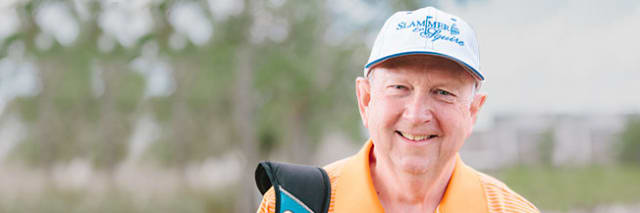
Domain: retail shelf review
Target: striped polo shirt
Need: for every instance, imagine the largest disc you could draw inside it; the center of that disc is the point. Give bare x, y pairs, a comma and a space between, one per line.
468, 190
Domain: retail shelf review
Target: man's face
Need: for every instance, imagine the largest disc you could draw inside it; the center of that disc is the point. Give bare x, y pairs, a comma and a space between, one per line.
419, 111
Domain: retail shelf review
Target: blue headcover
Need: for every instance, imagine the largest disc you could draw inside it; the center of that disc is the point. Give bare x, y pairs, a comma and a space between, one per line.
289, 203
298, 188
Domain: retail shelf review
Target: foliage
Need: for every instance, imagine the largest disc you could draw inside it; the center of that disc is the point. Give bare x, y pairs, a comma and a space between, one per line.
545, 147
567, 188
630, 144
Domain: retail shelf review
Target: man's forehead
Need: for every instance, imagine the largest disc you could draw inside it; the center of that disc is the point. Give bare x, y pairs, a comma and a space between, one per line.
418, 60
423, 65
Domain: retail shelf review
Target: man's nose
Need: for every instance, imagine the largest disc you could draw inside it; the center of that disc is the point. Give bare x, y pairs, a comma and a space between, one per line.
419, 111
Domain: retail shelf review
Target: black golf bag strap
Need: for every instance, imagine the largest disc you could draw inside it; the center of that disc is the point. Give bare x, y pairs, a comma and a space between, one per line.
298, 188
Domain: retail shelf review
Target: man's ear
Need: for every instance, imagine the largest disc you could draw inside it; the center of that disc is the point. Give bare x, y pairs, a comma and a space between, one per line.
476, 105
363, 93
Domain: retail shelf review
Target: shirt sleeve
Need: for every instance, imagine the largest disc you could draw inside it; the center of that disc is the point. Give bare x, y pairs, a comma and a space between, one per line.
502, 199
268, 204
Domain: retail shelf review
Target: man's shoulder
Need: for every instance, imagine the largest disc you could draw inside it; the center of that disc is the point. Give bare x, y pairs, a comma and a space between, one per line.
334, 169
501, 198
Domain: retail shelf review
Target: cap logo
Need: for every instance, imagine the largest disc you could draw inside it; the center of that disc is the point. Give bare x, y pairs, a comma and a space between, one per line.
434, 30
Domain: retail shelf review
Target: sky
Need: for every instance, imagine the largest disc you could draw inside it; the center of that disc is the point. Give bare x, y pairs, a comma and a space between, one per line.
569, 57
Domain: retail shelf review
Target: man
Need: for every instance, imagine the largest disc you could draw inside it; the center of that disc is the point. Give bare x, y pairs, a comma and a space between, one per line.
418, 98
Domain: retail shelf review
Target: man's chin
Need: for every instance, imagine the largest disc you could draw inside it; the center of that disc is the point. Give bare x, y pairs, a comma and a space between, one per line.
415, 165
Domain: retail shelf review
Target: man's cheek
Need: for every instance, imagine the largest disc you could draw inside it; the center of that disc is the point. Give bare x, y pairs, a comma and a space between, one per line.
392, 111
462, 116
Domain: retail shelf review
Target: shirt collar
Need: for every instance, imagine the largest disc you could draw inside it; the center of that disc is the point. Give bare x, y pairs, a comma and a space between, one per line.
355, 191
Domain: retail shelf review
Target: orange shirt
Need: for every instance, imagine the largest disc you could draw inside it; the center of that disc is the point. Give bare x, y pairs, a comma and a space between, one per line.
468, 190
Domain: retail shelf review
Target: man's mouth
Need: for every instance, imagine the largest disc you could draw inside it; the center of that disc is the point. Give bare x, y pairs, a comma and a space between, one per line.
416, 138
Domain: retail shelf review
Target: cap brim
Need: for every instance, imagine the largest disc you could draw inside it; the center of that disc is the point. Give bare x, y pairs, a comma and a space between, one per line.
475, 73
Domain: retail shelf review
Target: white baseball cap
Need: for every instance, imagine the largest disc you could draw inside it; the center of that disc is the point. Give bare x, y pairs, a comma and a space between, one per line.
427, 31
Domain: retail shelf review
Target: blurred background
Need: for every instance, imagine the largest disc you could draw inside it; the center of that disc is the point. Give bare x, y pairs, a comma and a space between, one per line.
167, 105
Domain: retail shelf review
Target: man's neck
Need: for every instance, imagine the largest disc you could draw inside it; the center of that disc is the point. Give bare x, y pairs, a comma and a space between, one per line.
401, 191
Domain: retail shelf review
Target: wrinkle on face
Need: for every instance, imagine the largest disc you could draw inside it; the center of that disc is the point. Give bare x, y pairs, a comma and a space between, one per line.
419, 109
424, 63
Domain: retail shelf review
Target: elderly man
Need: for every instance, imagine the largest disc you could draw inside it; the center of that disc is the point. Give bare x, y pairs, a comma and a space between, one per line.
418, 98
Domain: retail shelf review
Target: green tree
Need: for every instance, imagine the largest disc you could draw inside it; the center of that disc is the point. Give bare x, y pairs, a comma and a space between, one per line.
630, 142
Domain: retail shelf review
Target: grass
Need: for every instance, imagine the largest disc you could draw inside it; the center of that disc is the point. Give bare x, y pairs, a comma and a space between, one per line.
55, 200
567, 188
559, 189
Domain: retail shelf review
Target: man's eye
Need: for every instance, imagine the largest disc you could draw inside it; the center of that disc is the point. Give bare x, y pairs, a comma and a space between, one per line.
399, 87
443, 92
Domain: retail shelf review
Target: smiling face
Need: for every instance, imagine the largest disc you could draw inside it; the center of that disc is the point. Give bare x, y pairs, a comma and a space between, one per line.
419, 110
